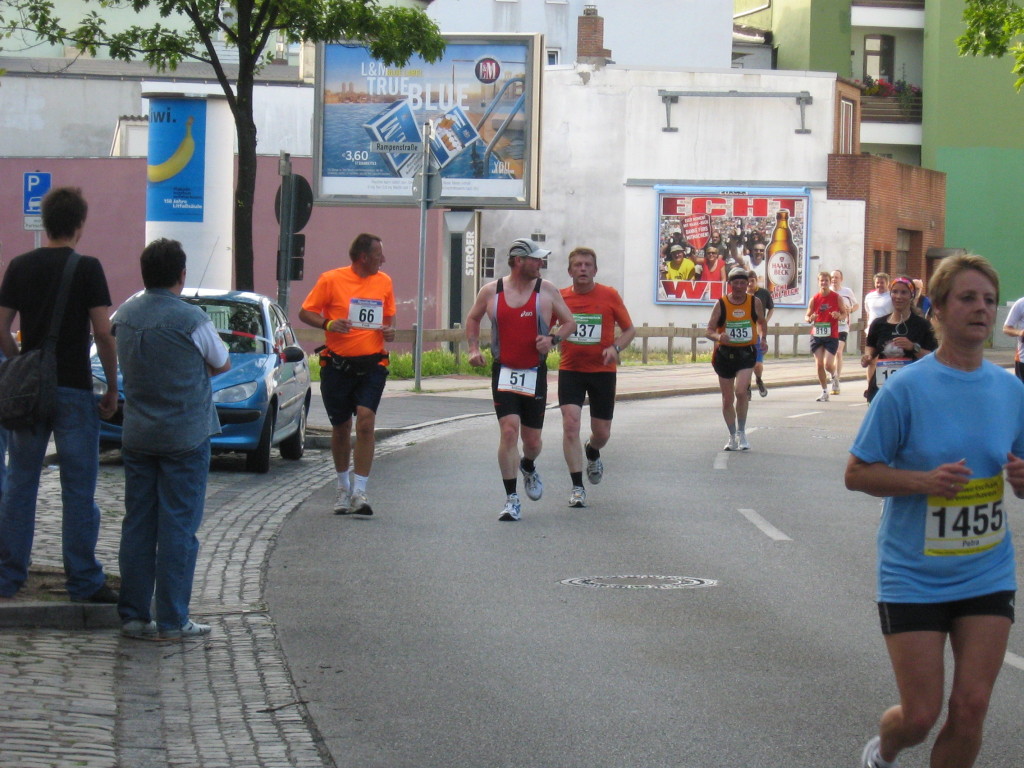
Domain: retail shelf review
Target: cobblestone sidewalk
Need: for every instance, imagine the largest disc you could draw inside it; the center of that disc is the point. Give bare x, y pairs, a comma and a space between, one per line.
95, 700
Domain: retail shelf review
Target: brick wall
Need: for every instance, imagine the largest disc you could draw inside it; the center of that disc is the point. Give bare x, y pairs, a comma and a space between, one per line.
897, 197
590, 38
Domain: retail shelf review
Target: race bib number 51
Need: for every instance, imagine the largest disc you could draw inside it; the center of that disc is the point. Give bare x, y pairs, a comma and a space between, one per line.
522, 381
366, 313
971, 522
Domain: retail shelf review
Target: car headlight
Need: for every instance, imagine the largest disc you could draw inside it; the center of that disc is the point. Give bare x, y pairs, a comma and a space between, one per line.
236, 393
99, 386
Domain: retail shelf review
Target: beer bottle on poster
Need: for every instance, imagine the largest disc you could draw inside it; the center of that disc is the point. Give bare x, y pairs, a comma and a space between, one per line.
781, 254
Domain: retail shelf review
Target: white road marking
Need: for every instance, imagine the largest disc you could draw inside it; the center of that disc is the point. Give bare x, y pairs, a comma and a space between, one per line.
1014, 660
801, 415
765, 527
722, 460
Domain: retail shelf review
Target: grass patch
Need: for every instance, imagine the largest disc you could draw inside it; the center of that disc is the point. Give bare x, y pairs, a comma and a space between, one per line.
441, 362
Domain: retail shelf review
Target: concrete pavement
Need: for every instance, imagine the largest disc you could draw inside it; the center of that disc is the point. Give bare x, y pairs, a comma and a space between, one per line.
72, 692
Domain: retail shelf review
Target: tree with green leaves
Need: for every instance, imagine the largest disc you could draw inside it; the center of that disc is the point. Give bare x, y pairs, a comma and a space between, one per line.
994, 28
392, 34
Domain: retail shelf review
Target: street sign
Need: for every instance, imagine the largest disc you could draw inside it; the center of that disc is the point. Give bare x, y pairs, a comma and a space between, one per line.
35, 185
396, 146
33, 223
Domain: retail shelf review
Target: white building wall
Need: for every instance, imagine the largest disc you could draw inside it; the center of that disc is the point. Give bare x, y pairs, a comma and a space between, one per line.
658, 33
77, 117
604, 150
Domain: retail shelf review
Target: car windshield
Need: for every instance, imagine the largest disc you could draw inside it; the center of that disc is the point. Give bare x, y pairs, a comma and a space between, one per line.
240, 324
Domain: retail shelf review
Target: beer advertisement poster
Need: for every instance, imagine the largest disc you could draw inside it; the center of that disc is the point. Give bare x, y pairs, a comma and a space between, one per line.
482, 103
765, 230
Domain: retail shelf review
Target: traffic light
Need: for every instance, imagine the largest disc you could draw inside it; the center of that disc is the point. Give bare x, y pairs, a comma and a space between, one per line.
298, 253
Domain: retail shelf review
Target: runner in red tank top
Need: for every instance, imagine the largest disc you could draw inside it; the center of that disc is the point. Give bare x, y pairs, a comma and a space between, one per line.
521, 308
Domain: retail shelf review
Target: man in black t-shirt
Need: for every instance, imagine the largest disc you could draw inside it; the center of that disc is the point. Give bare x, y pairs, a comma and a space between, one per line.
769, 308
29, 290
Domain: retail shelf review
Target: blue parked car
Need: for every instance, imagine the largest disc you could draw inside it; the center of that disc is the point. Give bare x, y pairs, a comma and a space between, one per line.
263, 401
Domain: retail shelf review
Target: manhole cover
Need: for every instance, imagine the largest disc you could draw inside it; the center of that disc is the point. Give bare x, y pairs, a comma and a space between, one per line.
640, 582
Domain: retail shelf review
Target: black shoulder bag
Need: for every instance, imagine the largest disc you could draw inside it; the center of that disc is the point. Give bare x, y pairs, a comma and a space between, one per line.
28, 381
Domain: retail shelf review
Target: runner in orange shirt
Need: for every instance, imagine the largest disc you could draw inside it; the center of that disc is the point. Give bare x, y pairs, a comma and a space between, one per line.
355, 306
587, 369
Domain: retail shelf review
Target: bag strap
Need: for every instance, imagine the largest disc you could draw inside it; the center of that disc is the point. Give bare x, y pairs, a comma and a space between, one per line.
62, 299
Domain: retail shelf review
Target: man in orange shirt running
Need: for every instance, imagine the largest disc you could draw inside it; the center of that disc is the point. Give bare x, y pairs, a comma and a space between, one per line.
355, 306
587, 369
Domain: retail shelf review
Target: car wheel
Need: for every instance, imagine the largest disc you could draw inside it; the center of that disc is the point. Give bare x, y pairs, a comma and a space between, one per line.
259, 460
293, 446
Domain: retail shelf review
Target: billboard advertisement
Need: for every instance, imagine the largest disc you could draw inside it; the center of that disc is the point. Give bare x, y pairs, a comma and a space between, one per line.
176, 169
704, 232
482, 99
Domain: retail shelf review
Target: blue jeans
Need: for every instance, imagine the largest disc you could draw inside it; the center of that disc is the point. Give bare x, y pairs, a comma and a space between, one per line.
3, 459
76, 432
163, 499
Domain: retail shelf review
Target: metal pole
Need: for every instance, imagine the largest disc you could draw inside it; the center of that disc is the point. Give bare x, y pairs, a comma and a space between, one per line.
424, 204
287, 225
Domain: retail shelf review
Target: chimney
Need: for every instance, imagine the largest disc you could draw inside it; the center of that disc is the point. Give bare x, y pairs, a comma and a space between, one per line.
590, 38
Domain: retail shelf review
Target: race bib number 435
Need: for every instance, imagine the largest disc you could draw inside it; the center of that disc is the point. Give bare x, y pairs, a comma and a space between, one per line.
971, 522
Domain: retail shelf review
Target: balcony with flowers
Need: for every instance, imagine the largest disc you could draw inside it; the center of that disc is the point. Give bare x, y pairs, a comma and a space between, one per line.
890, 102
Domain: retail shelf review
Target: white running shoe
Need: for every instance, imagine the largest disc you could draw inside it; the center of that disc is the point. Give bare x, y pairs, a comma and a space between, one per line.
595, 470
341, 503
578, 498
871, 751
741, 441
761, 388
823, 397
139, 629
359, 504
532, 482
188, 629
835, 385
732, 445
512, 510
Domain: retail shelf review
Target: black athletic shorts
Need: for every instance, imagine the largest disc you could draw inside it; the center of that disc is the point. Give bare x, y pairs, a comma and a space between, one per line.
830, 344
530, 410
342, 392
939, 617
575, 386
728, 361
842, 336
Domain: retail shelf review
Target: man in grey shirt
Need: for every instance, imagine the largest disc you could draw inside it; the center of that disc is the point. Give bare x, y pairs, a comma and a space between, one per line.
168, 350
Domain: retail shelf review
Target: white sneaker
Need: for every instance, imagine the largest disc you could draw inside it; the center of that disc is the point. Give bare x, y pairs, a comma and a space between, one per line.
835, 385
189, 629
823, 397
871, 751
532, 482
341, 503
732, 445
139, 629
578, 498
359, 505
741, 441
595, 469
512, 510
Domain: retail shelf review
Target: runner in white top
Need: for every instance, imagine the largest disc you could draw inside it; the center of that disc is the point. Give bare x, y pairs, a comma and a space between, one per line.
850, 300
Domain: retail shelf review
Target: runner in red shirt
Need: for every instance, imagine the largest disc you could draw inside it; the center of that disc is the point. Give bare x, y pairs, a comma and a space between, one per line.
826, 310
587, 369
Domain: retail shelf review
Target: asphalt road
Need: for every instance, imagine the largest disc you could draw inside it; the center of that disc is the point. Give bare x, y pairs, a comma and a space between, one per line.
431, 635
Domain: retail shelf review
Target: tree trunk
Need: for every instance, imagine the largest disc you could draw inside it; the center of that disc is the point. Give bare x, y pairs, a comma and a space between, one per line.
245, 194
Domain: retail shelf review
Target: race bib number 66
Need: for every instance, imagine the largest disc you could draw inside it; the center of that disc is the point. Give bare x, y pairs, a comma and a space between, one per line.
971, 522
366, 313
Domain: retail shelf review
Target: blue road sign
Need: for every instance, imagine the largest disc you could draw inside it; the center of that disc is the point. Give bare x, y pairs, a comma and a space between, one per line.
36, 185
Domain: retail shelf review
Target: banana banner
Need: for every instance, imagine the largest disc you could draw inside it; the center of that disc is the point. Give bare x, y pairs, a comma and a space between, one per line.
175, 172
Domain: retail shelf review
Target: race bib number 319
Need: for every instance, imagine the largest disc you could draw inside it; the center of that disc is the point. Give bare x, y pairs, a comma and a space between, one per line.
971, 522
